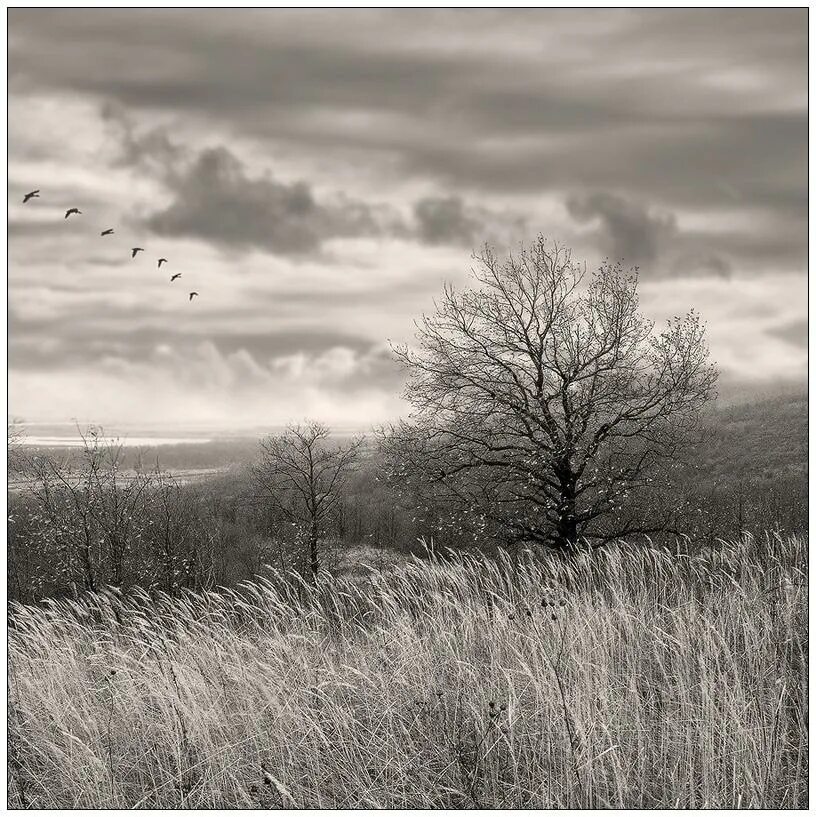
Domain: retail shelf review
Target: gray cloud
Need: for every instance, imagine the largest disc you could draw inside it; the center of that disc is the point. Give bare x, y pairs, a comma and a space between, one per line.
214, 197
629, 231
795, 333
151, 150
216, 200
702, 263
444, 220
454, 220
640, 235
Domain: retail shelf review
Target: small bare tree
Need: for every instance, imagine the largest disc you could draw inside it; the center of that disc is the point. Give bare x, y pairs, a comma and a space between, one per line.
96, 517
544, 401
179, 551
91, 515
301, 474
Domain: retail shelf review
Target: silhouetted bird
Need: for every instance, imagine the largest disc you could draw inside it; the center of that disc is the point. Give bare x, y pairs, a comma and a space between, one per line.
73, 210
109, 231
173, 277
162, 261
135, 250
34, 194
192, 295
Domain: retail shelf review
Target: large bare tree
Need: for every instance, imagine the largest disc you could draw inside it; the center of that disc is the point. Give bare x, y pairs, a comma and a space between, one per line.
544, 401
301, 475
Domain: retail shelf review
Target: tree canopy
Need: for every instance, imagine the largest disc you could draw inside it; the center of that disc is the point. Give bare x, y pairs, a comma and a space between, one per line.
544, 401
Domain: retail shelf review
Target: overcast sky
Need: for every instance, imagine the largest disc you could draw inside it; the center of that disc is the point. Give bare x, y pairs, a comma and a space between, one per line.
318, 175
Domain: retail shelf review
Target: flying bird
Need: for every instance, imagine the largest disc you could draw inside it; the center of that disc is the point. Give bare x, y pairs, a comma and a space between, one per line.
192, 295
135, 250
34, 194
73, 210
162, 261
173, 277
109, 231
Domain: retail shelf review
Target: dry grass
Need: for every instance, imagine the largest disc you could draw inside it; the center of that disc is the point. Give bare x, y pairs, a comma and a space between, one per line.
651, 680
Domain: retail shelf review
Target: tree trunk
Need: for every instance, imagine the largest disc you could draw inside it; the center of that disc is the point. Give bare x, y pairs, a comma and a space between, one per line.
566, 530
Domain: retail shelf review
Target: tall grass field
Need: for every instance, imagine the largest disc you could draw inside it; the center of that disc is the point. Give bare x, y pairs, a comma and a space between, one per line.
627, 678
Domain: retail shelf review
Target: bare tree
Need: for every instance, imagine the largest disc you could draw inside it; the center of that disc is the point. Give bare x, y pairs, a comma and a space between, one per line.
180, 546
544, 401
301, 474
96, 517
91, 515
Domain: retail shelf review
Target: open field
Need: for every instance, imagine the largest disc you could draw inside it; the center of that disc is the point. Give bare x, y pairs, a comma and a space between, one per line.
629, 679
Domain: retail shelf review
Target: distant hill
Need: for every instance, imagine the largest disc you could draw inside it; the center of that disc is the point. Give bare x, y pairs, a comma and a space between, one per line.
759, 440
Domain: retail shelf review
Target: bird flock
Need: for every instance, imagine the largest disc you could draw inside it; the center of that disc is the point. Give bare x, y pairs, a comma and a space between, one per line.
134, 251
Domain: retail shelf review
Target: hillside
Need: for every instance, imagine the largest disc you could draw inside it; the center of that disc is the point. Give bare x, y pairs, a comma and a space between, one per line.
759, 440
